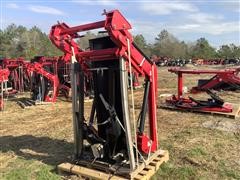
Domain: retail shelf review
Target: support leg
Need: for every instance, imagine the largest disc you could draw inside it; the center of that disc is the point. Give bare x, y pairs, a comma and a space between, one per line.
77, 107
180, 85
124, 84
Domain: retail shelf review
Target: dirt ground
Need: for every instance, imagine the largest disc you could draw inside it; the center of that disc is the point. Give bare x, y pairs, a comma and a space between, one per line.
33, 141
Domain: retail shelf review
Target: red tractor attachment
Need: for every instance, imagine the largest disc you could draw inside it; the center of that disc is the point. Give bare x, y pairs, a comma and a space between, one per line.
47, 90
45, 77
222, 79
213, 104
50, 76
107, 64
18, 80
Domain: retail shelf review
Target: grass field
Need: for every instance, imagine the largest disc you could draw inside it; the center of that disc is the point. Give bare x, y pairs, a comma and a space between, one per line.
33, 141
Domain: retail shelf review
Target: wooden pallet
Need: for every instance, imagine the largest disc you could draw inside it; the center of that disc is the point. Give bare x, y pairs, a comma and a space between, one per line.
234, 114
144, 171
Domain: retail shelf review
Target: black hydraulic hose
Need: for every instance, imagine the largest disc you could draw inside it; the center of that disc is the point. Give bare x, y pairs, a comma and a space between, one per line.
215, 97
144, 107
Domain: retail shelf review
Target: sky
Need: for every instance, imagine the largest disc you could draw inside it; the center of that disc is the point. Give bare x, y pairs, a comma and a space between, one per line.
188, 20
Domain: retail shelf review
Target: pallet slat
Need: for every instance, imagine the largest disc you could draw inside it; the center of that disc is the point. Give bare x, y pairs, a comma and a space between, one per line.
144, 172
86, 172
139, 177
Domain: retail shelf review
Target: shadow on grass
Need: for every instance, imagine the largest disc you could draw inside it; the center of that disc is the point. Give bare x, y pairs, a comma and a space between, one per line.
44, 149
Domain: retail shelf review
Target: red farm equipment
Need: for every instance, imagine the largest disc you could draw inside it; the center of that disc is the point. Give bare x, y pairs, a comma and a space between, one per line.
109, 130
227, 79
214, 104
44, 84
45, 77
49, 77
4, 73
18, 80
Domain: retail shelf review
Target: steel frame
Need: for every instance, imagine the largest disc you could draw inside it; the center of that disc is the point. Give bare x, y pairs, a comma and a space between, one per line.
228, 76
117, 28
188, 103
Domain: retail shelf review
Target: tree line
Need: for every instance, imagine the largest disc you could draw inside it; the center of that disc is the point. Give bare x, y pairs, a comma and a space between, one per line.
167, 45
18, 41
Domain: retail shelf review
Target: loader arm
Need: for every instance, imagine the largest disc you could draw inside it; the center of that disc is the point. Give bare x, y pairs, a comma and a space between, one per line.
38, 68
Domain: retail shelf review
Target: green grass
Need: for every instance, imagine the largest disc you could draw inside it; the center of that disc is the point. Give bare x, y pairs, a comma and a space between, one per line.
22, 169
17, 174
45, 174
189, 145
197, 151
170, 171
218, 145
227, 172
165, 144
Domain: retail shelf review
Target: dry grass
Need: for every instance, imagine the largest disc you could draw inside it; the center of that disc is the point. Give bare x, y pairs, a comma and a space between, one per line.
33, 141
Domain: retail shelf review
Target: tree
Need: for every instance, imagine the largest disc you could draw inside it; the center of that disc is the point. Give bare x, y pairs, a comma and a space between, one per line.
18, 41
202, 49
235, 50
225, 52
168, 45
84, 41
9, 39
229, 51
142, 44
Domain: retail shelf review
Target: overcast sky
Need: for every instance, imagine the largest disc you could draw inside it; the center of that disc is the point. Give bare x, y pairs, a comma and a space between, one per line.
216, 20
